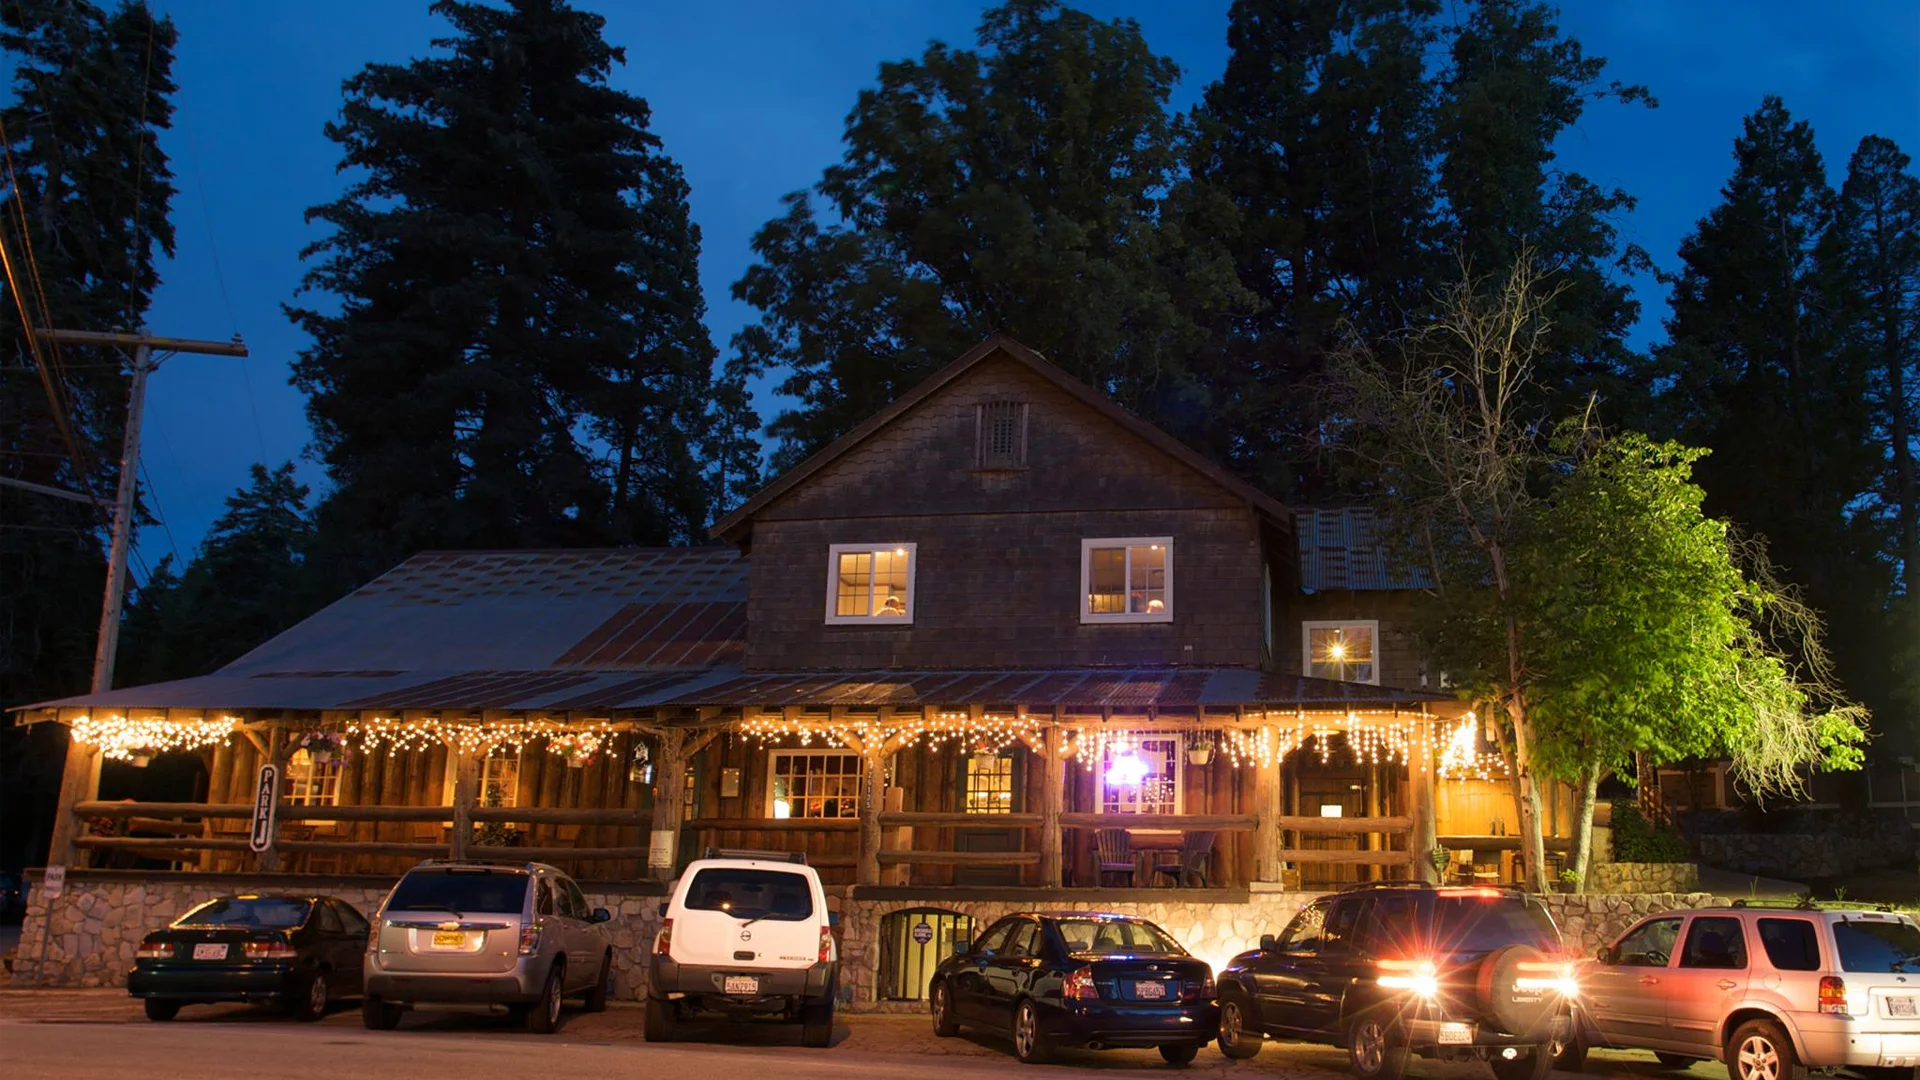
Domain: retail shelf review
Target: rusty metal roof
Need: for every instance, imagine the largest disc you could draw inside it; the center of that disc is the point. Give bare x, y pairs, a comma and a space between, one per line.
1341, 549
1116, 688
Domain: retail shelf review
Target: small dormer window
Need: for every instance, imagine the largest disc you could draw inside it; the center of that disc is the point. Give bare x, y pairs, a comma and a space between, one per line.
870, 584
1126, 580
1000, 435
1342, 651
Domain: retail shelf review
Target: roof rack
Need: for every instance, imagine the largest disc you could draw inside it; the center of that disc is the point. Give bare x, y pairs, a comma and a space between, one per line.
747, 853
1807, 903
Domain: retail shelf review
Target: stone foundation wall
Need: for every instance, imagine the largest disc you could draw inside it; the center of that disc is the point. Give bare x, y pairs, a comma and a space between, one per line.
102, 915
1644, 877
1802, 845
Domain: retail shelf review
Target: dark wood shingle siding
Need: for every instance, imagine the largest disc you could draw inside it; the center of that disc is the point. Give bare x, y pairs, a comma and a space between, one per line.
1401, 656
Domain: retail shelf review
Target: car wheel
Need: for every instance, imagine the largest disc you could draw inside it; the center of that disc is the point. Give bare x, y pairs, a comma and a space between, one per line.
1674, 1061
1030, 1044
602, 988
161, 1011
816, 1025
1759, 1050
377, 1014
310, 997
1570, 1053
944, 1025
1374, 1050
544, 1017
1179, 1053
1235, 1040
1530, 1063
662, 1024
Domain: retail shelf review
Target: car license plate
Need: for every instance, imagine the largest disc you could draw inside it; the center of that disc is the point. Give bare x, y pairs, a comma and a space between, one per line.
741, 984
449, 939
1456, 1034
1901, 1006
1153, 991
210, 952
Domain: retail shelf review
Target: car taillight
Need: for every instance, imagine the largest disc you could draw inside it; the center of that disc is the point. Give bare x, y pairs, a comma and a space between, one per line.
663, 941
1555, 977
1197, 989
1833, 995
154, 950
529, 939
1417, 976
1079, 986
373, 936
269, 950
826, 944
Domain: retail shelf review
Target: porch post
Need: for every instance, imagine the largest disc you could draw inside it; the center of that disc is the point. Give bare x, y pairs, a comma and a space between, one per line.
1421, 798
80, 782
669, 797
466, 791
279, 749
872, 783
1053, 800
1267, 835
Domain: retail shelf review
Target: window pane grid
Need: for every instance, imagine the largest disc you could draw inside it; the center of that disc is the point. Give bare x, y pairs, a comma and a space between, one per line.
1158, 789
856, 584
1128, 581
500, 779
311, 783
815, 784
989, 784
1341, 653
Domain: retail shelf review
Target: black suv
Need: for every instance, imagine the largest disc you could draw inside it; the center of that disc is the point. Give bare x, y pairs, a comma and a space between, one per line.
1393, 968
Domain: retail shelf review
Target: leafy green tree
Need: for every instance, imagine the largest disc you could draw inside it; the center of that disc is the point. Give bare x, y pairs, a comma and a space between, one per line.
1021, 187
511, 271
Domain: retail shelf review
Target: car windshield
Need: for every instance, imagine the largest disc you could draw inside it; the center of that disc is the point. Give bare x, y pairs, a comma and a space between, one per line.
1103, 937
251, 912
461, 890
1483, 923
1877, 945
744, 893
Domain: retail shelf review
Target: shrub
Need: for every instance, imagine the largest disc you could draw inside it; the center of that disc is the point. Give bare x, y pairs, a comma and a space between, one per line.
1635, 840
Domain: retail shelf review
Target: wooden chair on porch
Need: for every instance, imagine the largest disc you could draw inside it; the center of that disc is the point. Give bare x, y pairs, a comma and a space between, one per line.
1191, 862
1113, 854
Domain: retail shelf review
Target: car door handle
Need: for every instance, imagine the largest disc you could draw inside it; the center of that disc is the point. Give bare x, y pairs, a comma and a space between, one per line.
1648, 980
1726, 984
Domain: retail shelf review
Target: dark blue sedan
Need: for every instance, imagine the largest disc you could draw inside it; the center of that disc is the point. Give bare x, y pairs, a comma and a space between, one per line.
1078, 979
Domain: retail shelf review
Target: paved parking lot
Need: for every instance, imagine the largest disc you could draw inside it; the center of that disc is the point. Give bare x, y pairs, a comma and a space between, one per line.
101, 1033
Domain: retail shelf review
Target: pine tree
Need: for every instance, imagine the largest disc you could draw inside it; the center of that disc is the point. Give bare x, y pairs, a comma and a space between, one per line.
513, 266
1020, 188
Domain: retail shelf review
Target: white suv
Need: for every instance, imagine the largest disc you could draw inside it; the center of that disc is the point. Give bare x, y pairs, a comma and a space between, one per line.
746, 933
1772, 991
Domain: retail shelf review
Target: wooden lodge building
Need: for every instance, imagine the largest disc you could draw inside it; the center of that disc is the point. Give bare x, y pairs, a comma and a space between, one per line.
1002, 636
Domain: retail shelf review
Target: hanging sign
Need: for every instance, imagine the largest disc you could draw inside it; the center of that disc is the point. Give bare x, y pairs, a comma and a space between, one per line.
922, 933
266, 795
53, 881
660, 850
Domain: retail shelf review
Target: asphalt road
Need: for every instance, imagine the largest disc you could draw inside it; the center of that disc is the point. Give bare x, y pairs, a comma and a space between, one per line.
100, 1035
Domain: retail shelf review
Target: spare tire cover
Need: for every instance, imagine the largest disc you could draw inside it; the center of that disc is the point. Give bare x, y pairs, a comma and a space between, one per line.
1518, 1012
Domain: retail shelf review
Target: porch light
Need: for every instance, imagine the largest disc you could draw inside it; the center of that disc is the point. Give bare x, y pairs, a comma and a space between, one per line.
1127, 770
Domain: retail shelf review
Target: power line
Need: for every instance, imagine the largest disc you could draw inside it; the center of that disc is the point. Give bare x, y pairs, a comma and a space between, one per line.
153, 498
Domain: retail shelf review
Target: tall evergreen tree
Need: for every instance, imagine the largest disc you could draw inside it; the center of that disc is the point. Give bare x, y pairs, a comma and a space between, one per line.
514, 265
1021, 188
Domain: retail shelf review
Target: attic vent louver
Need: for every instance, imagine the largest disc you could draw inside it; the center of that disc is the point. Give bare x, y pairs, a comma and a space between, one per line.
1000, 435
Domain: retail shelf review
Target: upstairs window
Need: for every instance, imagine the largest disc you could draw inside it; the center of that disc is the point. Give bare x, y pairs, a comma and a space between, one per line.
1126, 580
1342, 651
869, 583
1000, 435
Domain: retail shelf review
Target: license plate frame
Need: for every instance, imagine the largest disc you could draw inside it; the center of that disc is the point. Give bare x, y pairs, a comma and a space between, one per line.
740, 984
1149, 990
1454, 1033
1902, 1007
449, 939
211, 950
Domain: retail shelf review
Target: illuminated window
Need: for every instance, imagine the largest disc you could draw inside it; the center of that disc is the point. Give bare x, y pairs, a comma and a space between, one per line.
869, 583
1341, 651
989, 784
1141, 776
500, 778
1127, 580
312, 783
813, 784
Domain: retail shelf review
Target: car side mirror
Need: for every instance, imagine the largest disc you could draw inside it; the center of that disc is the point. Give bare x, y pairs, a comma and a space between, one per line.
962, 946
1268, 943
601, 914
1607, 955
663, 909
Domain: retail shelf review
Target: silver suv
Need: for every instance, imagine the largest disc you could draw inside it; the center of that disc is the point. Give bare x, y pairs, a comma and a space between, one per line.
465, 933
1772, 991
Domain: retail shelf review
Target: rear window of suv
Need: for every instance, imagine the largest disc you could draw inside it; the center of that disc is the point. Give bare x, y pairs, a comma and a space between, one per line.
779, 895
1478, 923
461, 890
1876, 945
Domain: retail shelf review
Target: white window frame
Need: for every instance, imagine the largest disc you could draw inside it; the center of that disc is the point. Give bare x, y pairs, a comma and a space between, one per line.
834, 551
1126, 543
509, 796
774, 758
1179, 772
1307, 628
310, 783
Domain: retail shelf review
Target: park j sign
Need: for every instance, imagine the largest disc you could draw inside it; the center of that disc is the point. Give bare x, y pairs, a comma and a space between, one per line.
266, 794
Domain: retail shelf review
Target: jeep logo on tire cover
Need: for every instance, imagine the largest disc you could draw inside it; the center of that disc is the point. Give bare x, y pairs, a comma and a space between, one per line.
746, 935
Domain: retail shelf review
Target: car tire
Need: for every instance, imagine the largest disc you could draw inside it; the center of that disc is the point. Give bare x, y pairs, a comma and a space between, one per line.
544, 1017
602, 987
1570, 1053
310, 997
1674, 1061
662, 1025
377, 1015
816, 1025
1532, 1063
1374, 1049
1760, 1050
1236, 1041
940, 1004
160, 1011
1030, 1043
1179, 1054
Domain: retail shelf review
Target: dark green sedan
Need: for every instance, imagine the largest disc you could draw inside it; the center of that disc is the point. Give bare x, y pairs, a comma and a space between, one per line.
298, 952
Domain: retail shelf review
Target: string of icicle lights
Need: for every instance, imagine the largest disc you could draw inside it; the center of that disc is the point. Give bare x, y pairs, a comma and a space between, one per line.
1461, 757
481, 736
1365, 741
124, 739
991, 732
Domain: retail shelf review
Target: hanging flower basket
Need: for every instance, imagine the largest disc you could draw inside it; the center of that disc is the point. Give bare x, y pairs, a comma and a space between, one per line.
141, 761
1200, 751
323, 747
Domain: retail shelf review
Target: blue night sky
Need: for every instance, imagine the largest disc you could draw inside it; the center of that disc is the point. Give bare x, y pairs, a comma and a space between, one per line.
749, 97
